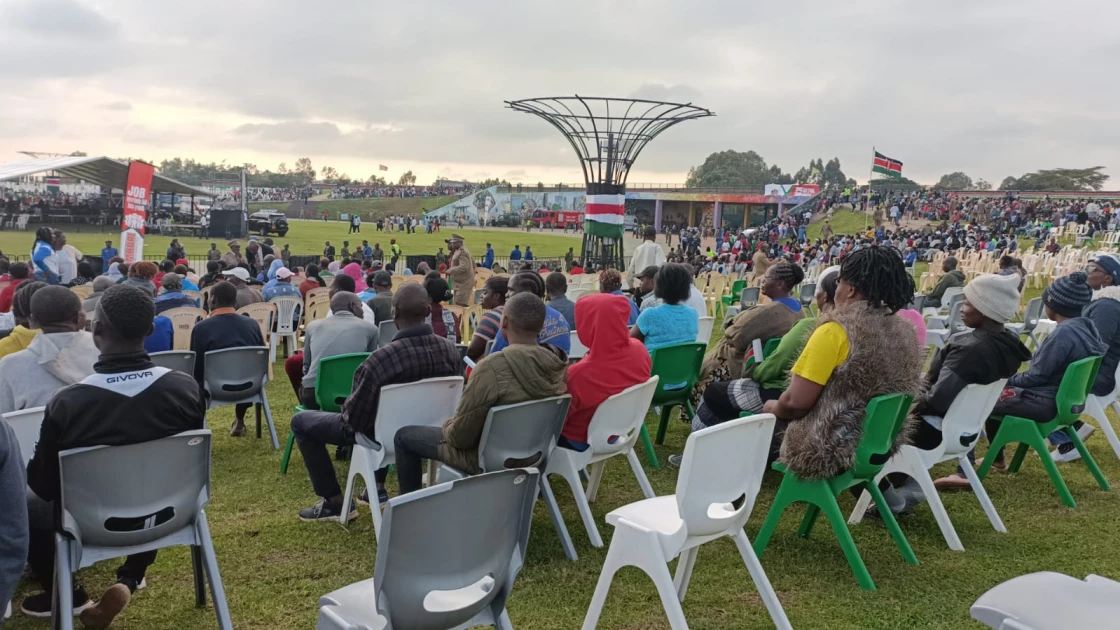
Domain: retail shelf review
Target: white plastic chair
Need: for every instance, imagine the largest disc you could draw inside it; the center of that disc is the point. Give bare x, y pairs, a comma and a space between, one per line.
286, 324
939, 337
27, 424
436, 571
960, 428
238, 376
429, 402
181, 360
704, 333
721, 464
108, 511
386, 330
1096, 405
578, 350
614, 429
1049, 601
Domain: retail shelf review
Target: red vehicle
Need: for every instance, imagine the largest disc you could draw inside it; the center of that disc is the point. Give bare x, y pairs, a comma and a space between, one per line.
556, 218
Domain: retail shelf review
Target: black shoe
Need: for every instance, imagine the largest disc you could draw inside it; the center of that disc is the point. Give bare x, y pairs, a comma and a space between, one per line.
323, 511
39, 604
382, 496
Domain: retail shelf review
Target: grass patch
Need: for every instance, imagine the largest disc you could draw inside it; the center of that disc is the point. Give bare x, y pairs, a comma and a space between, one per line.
375, 208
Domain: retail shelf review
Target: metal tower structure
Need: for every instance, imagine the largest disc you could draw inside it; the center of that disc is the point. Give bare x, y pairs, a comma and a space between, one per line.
607, 135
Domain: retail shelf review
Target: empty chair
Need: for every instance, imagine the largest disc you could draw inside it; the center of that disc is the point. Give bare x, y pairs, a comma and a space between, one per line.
236, 376
806, 294
961, 428
108, 511
704, 333
1049, 601
721, 472
954, 324
749, 297
386, 330
183, 320
288, 311
614, 430
26, 423
334, 380
181, 360
521, 435
429, 402
1095, 406
437, 571
578, 350
1031, 316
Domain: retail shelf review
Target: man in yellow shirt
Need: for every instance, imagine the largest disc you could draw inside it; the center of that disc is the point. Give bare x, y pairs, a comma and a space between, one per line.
21, 335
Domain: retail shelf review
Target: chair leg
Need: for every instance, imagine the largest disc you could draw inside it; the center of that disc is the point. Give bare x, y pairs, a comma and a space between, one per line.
1090, 463
686, 562
643, 481
61, 612
651, 455
199, 577
217, 591
995, 442
781, 501
630, 547
1017, 460
594, 479
572, 477
761, 582
356, 468
661, 428
1109, 432
502, 622
982, 495
864, 501
812, 512
1055, 476
257, 410
268, 418
558, 520
937, 507
831, 509
287, 453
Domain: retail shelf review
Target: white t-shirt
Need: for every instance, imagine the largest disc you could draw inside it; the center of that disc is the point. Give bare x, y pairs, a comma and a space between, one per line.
367, 314
696, 301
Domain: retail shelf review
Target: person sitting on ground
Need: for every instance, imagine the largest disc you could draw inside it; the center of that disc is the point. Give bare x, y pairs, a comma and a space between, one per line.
22, 334
953, 278
281, 285
62, 354
673, 322
238, 277
223, 329
100, 285
493, 301
173, 296
444, 322
525, 370
19, 273
614, 362
382, 302
555, 330
414, 354
857, 352
157, 403
344, 333
140, 275
610, 281
556, 285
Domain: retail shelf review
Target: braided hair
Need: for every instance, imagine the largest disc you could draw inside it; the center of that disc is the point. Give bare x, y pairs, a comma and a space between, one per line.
789, 274
880, 275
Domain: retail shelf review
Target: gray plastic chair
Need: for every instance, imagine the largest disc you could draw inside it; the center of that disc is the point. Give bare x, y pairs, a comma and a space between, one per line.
1049, 601
27, 424
1031, 316
386, 330
181, 360
109, 511
436, 571
238, 375
519, 436
806, 294
749, 297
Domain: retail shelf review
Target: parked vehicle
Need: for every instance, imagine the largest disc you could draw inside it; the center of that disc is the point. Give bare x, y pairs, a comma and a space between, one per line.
268, 221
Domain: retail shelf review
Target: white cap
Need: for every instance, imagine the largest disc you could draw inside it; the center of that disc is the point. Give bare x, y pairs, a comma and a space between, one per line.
237, 272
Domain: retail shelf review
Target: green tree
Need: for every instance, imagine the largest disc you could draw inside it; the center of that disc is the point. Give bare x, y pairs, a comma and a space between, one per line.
955, 181
304, 172
329, 174
407, 179
1008, 183
376, 180
492, 181
982, 184
1058, 179
732, 169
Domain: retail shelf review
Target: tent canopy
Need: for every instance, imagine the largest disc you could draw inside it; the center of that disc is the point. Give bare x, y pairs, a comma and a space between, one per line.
106, 172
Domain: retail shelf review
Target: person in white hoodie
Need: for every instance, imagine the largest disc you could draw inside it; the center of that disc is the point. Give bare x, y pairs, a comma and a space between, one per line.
62, 354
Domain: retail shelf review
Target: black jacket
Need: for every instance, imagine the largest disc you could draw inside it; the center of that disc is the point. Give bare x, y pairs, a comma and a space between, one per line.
127, 400
975, 357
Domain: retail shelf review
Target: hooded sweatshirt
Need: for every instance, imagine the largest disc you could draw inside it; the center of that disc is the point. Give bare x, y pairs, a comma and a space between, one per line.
978, 357
954, 278
614, 361
1104, 311
1072, 340
19, 339
517, 374
30, 378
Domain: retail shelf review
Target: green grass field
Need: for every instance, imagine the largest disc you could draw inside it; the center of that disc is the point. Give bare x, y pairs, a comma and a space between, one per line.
369, 208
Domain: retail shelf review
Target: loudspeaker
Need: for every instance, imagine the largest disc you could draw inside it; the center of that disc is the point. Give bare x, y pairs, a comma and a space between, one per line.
226, 224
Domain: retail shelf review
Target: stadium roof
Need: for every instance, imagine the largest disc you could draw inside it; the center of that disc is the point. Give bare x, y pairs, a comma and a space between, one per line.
103, 171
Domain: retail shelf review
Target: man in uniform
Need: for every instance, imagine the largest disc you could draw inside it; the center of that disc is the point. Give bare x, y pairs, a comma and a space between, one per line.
461, 271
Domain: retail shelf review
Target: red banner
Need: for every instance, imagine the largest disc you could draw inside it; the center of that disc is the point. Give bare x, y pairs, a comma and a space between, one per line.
137, 197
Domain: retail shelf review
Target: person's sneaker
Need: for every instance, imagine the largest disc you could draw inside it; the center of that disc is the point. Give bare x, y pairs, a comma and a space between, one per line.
323, 511
675, 460
39, 604
382, 496
954, 481
238, 429
112, 602
1066, 452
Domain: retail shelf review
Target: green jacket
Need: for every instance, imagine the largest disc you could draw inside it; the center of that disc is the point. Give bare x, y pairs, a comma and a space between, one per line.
773, 372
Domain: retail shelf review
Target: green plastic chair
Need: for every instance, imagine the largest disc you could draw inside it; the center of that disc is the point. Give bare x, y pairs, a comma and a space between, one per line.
1072, 393
884, 419
736, 289
768, 348
333, 383
679, 369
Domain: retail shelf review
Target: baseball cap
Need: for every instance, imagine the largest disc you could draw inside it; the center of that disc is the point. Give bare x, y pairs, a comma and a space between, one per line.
282, 272
382, 279
1108, 264
237, 272
648, 272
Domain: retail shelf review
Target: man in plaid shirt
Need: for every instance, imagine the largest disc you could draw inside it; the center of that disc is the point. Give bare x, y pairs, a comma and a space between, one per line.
414, 354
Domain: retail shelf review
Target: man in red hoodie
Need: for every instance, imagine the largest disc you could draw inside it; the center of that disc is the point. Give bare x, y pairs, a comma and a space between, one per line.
614, 361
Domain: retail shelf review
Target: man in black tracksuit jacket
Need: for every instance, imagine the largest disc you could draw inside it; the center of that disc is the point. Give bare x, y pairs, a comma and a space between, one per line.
127, 400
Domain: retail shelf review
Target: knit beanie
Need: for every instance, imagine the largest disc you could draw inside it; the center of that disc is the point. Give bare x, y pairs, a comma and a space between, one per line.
996, 297
1067, 295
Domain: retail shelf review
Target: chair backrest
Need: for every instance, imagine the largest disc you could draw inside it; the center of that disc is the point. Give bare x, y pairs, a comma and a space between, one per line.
335, 378
26, 423
234, 374
183, 320
704, 330
82, 291
434, 570
1032, 314
429, 402
181, 360
316, 309
263, 313
807, 293
749, 297
618, 419
318, 291
522, 434
966, 415
882, 421
679, 368
956, 324
287, 309
105, 503
386, 330
578, 350
722, 464
951, 294
737, 289
1074, 389
195, 295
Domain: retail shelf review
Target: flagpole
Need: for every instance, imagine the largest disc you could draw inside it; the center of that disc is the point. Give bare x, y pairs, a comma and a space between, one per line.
869, 176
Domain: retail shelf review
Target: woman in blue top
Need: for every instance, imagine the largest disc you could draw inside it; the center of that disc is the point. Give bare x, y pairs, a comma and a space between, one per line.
42, 256
673, 321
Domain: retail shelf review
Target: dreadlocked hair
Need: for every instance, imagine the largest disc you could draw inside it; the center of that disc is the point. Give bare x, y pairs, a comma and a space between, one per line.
788, 274
880, 275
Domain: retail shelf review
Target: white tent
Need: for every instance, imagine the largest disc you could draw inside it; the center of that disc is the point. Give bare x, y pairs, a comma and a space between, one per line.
103, 171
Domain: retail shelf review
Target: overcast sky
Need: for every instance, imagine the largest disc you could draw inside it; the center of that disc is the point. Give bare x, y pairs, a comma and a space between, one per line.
990, 87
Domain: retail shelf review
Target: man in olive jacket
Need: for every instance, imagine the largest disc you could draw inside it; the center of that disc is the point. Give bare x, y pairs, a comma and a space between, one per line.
521, 372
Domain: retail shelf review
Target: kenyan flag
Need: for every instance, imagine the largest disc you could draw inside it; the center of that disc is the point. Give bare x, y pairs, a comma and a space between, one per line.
603, 215
887, 166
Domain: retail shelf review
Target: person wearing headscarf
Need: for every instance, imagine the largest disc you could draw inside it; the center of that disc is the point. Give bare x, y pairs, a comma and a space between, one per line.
114, 272
354, 270
270, 276
334, 266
